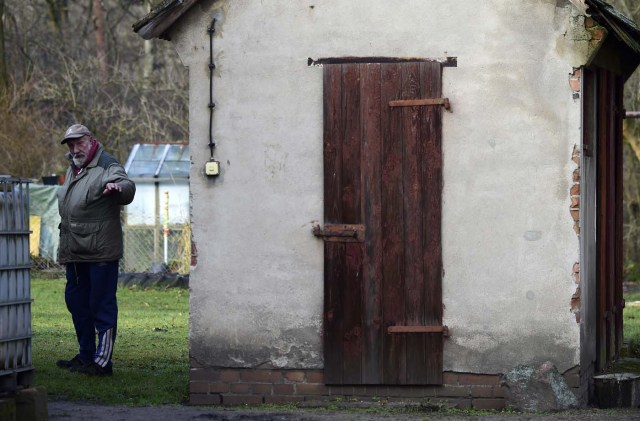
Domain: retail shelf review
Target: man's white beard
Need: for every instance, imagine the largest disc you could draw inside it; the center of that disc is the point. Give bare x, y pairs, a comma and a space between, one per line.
79, 161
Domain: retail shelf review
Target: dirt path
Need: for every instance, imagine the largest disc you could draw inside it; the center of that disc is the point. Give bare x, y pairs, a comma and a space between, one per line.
71, 411
74, 411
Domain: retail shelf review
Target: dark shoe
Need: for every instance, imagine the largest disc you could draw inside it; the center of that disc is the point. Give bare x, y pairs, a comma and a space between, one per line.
93, 369
73, 363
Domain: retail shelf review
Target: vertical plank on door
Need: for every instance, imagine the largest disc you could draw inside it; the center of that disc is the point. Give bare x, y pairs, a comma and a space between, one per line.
372, 217
618, 93
394, 346
412, 227
351, 214
334, 252
431, 142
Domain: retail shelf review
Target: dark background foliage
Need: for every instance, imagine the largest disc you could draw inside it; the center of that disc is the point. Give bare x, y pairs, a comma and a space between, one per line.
631, 166
68, 61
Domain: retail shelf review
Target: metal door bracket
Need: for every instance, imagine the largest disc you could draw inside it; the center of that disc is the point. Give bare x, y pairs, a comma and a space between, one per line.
419, 329
340, 232
420, 102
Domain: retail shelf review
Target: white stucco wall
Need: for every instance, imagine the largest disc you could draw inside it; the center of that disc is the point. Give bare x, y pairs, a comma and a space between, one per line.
508, 242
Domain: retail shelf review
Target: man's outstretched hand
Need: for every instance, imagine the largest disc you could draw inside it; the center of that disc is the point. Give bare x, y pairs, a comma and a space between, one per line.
112, 188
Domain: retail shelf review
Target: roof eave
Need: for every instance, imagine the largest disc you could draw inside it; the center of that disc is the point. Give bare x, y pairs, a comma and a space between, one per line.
623, 28
159, 21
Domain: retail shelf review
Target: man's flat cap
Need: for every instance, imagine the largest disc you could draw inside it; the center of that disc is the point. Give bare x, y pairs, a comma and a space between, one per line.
74, 132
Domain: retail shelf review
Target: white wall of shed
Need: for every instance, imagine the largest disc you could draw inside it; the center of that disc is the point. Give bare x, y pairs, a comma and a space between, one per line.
508, 242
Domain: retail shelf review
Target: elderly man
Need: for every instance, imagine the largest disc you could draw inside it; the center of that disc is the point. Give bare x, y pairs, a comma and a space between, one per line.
95, 188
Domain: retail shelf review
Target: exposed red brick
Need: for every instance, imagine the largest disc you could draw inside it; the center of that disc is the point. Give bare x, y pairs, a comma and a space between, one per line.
575, 190
424, 392
574, 84
319, 398
276, 376
575, 300
488, 404
311, 389
202, 399
279, 400
394, 391
294, 376
589, 22
194, 254
262, 376
218, 387
340, 390
460, 403
454, 391
229, 375
575, 214
499, 392
204, 374
372, 391
576, 175
449, 378
361, 390
284, 389
262, 388
240, 388
482, 391
234, 400
381, 391
575, 304
198, 387
479, 379
598, 34
575, 201
315, 376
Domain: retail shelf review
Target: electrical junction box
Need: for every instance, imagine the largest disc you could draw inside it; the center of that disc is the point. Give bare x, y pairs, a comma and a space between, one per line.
212, 168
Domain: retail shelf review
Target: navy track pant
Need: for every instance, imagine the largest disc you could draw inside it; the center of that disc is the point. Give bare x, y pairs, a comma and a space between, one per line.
90, 295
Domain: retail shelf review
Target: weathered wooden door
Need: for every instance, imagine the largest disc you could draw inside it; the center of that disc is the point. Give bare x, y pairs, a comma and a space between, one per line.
603, 116
383, 258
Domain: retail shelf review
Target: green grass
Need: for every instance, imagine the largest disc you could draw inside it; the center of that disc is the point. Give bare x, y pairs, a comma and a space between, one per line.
631, 317
150, 361
151, 355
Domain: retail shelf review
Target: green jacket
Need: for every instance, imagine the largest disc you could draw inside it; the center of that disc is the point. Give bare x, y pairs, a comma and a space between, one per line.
90, 230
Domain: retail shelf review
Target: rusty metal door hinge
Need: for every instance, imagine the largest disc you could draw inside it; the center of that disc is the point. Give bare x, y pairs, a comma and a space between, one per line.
420, 102
420, 329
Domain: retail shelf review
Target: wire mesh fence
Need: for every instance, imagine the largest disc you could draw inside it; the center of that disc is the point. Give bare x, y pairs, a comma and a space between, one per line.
146, 250
153, 249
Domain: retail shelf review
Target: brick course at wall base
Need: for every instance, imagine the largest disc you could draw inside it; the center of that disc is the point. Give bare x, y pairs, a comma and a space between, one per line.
231, 386
212, 386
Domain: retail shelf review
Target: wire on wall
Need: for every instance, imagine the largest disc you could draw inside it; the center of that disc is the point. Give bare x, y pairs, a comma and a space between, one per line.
212, 167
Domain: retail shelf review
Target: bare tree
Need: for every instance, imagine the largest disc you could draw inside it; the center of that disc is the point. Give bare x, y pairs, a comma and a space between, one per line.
631, 161
58, 11
99, 74
101, 37
4, 75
